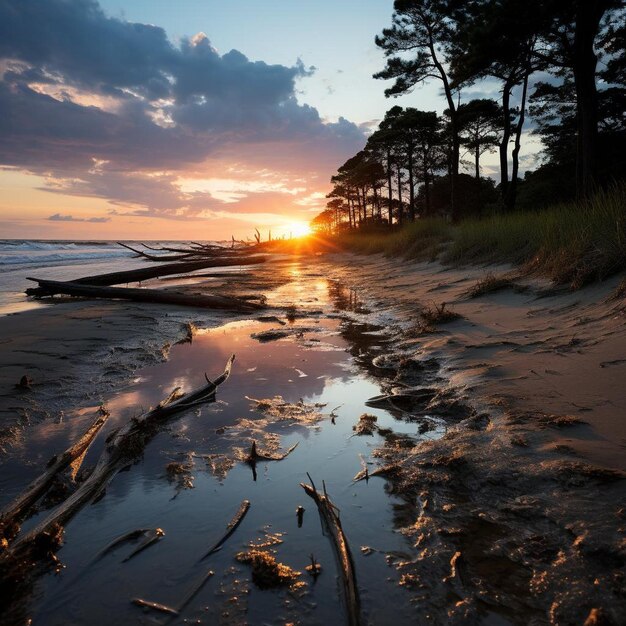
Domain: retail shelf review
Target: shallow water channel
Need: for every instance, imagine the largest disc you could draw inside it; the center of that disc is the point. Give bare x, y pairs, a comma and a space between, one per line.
319, 362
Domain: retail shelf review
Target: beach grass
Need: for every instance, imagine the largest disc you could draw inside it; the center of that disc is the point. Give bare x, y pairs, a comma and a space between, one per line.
572, 243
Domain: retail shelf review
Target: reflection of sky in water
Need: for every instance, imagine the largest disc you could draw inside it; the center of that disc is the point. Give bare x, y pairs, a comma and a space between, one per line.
142, 497
261, 369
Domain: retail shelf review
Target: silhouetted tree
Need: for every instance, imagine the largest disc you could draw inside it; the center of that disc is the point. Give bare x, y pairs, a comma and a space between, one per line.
425, 30
499, 40
480, 124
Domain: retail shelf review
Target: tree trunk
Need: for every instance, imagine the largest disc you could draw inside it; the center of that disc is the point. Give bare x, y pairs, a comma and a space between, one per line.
454, 177
477, 158
411, 185
400, 206
359, 206
146, 273
588, 16
427, 208
506, 137
389, 191
377, 203
159, 296
454, 127
512, 190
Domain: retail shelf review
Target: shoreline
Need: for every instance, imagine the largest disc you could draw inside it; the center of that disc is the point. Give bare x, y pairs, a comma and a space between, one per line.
527, 347
524, 434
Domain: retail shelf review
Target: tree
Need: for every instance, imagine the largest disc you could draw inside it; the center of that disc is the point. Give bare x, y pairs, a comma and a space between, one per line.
570, 33
480, 123
423, 29
499, 40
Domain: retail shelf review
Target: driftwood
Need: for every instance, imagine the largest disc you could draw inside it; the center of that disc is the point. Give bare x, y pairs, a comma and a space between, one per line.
195, 250
16, 510
151, 535
163, 608
188, 597
230, 529
160, 258
383, 470
158, 296
328, 513
254, 455
146, 273
155, 605
122, 446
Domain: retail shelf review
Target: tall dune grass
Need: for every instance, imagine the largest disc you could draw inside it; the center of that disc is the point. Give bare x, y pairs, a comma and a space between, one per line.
575, 242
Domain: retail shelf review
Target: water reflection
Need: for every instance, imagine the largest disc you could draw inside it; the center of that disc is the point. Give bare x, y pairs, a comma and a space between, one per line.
327, 352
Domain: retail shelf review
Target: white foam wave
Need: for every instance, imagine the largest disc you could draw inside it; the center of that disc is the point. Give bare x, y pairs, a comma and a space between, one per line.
60, 257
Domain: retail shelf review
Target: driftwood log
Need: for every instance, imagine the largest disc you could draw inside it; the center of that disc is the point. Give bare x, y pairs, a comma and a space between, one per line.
332, 523
158, 296
146, 273
159, 258
16, 510
122, 447
232, 526
230, 529
195, 250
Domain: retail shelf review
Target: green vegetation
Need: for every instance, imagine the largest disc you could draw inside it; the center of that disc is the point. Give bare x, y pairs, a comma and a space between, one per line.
560, 64
574, 243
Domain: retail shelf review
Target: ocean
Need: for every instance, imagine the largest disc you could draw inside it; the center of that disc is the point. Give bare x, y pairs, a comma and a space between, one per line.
56, 260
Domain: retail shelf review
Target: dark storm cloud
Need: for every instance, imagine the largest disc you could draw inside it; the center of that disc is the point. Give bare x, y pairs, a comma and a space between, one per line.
166, 107
75, 40
39, 132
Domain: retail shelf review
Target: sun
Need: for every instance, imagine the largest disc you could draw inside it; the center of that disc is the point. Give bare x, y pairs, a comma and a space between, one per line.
298, 229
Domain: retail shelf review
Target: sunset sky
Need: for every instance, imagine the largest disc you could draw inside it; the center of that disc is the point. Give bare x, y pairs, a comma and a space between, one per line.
190, 119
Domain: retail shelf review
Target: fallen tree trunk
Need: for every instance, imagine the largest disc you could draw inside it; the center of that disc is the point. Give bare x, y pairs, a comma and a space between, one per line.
146, 273
160, 258
158, 296
16, 510
121, 448
328, 513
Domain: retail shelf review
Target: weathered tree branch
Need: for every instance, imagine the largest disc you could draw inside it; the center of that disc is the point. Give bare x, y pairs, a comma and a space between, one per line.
146, 273
328, 513
159, 296
121, 447
16, 510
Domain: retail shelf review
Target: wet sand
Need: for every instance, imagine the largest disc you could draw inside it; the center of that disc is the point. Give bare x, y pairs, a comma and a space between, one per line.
543, 351
515, 515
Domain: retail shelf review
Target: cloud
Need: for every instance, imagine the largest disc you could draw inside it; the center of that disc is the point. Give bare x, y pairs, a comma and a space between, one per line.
80, 88
57, 217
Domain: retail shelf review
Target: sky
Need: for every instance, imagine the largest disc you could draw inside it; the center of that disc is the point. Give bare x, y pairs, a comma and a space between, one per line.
197, 119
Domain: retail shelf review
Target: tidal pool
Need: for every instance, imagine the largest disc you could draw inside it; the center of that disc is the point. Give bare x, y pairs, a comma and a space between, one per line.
316, 363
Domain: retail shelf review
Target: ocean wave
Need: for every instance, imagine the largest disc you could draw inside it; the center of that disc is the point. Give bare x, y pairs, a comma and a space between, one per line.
60, 257
12, 245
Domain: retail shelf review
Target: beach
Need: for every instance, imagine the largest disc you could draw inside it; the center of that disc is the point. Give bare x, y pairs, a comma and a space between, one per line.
494, 465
